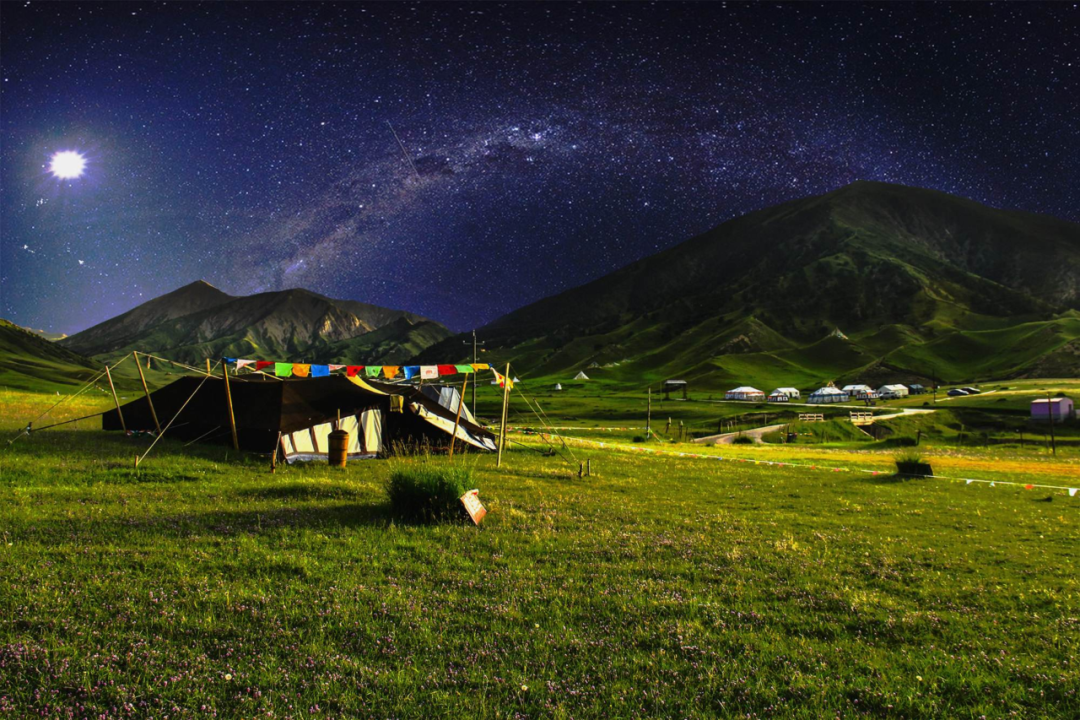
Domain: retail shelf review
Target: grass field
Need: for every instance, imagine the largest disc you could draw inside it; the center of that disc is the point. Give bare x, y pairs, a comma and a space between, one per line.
660, 586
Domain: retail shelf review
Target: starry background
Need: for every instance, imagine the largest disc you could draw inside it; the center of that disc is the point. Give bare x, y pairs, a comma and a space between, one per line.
546, 144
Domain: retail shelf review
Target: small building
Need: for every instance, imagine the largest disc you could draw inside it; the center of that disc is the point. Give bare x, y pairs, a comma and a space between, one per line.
674, 386
745, 392
916, 389
826, 395
779, 397
792, 393
1059, 409
891, 392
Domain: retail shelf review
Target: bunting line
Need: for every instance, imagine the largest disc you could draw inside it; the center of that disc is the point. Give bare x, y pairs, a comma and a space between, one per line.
388, 372
774, 463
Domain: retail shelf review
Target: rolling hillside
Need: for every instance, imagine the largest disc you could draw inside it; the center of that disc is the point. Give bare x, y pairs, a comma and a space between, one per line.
198, 321
29, 361
922, 283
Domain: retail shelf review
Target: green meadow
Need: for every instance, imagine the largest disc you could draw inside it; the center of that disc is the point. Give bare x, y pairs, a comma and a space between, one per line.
659, 586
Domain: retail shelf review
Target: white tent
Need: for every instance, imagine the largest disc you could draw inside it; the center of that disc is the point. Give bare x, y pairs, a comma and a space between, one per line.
558, 386
792, 393
581, 375
776, 396
893, 391
827, 395
744, 392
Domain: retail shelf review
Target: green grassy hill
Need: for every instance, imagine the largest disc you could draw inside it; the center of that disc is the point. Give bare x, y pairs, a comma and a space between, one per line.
30, 362
922, 284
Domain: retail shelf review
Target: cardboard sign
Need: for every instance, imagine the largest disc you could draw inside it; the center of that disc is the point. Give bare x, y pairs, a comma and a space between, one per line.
471, 501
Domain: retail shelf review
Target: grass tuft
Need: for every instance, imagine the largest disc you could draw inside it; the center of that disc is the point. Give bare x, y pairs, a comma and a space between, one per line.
428, 491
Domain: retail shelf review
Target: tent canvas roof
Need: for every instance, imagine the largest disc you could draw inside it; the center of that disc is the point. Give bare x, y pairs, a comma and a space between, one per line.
263, 407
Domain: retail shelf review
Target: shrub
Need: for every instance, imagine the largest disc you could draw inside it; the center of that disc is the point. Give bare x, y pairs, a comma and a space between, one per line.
638, 439
742, 440
428, 491
905, 441
910, 462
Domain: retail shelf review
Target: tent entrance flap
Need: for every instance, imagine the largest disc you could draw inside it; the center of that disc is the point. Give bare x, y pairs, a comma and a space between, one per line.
365, 438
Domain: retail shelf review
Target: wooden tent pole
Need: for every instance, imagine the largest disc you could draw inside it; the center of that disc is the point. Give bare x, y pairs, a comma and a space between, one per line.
207, 366
116, 400
153, 413
502, 425
457, 420
228, 399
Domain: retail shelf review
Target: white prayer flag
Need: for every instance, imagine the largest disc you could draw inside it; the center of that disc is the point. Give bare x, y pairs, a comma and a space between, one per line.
244, 363
968, 482
429, 372
1072, 492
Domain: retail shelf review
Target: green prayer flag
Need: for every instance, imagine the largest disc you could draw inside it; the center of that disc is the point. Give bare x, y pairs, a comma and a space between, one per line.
283, 369
464, 368
373, 371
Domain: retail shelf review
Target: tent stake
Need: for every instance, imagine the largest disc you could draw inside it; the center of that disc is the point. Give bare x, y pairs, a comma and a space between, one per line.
228, 400
115, 399
153, 413
273, 455
502, 425
457, 420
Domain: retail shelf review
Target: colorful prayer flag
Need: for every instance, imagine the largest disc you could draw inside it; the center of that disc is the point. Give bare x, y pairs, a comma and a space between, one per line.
480, 366
389, 371
263, 364
301, 370
353, 370
411, 371
447, 370
464, 368
429, 372
1072, 492
229, 360
244, 363
283, 369
503, 380
320, 371
335, 367
372, 371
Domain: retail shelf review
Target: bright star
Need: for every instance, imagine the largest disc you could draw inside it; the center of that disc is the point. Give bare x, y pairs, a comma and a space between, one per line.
67, 165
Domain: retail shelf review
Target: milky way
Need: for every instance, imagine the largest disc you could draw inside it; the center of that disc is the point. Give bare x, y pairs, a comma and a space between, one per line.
545, 144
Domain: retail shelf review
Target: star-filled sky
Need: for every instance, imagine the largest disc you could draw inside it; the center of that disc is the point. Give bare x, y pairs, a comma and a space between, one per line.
541, 145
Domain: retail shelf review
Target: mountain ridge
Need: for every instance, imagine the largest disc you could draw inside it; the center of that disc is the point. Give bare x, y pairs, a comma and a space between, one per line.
198, 321
864, 257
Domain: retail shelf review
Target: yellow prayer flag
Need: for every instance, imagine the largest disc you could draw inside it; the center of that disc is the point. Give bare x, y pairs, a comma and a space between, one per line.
301, 370
390, 370
480, 366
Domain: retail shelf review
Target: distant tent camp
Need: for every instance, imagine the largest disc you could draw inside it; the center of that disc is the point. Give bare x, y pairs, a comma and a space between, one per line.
558, 386
302, 413
792, 393
581, 375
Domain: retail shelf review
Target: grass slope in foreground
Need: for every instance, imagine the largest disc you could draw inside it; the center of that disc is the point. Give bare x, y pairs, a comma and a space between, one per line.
660, 587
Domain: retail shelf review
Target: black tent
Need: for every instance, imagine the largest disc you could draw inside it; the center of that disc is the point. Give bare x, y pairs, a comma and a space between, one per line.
378, 415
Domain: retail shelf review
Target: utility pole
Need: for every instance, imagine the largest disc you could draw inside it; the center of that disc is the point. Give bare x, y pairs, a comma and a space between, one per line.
648, 416
475, 361
1050, 414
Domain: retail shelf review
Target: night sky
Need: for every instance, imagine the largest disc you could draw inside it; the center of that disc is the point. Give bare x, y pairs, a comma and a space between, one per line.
547, 144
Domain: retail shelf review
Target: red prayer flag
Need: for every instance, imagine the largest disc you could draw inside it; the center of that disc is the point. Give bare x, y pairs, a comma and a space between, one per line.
354, 370
263, 364
447, 370
1028, 487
